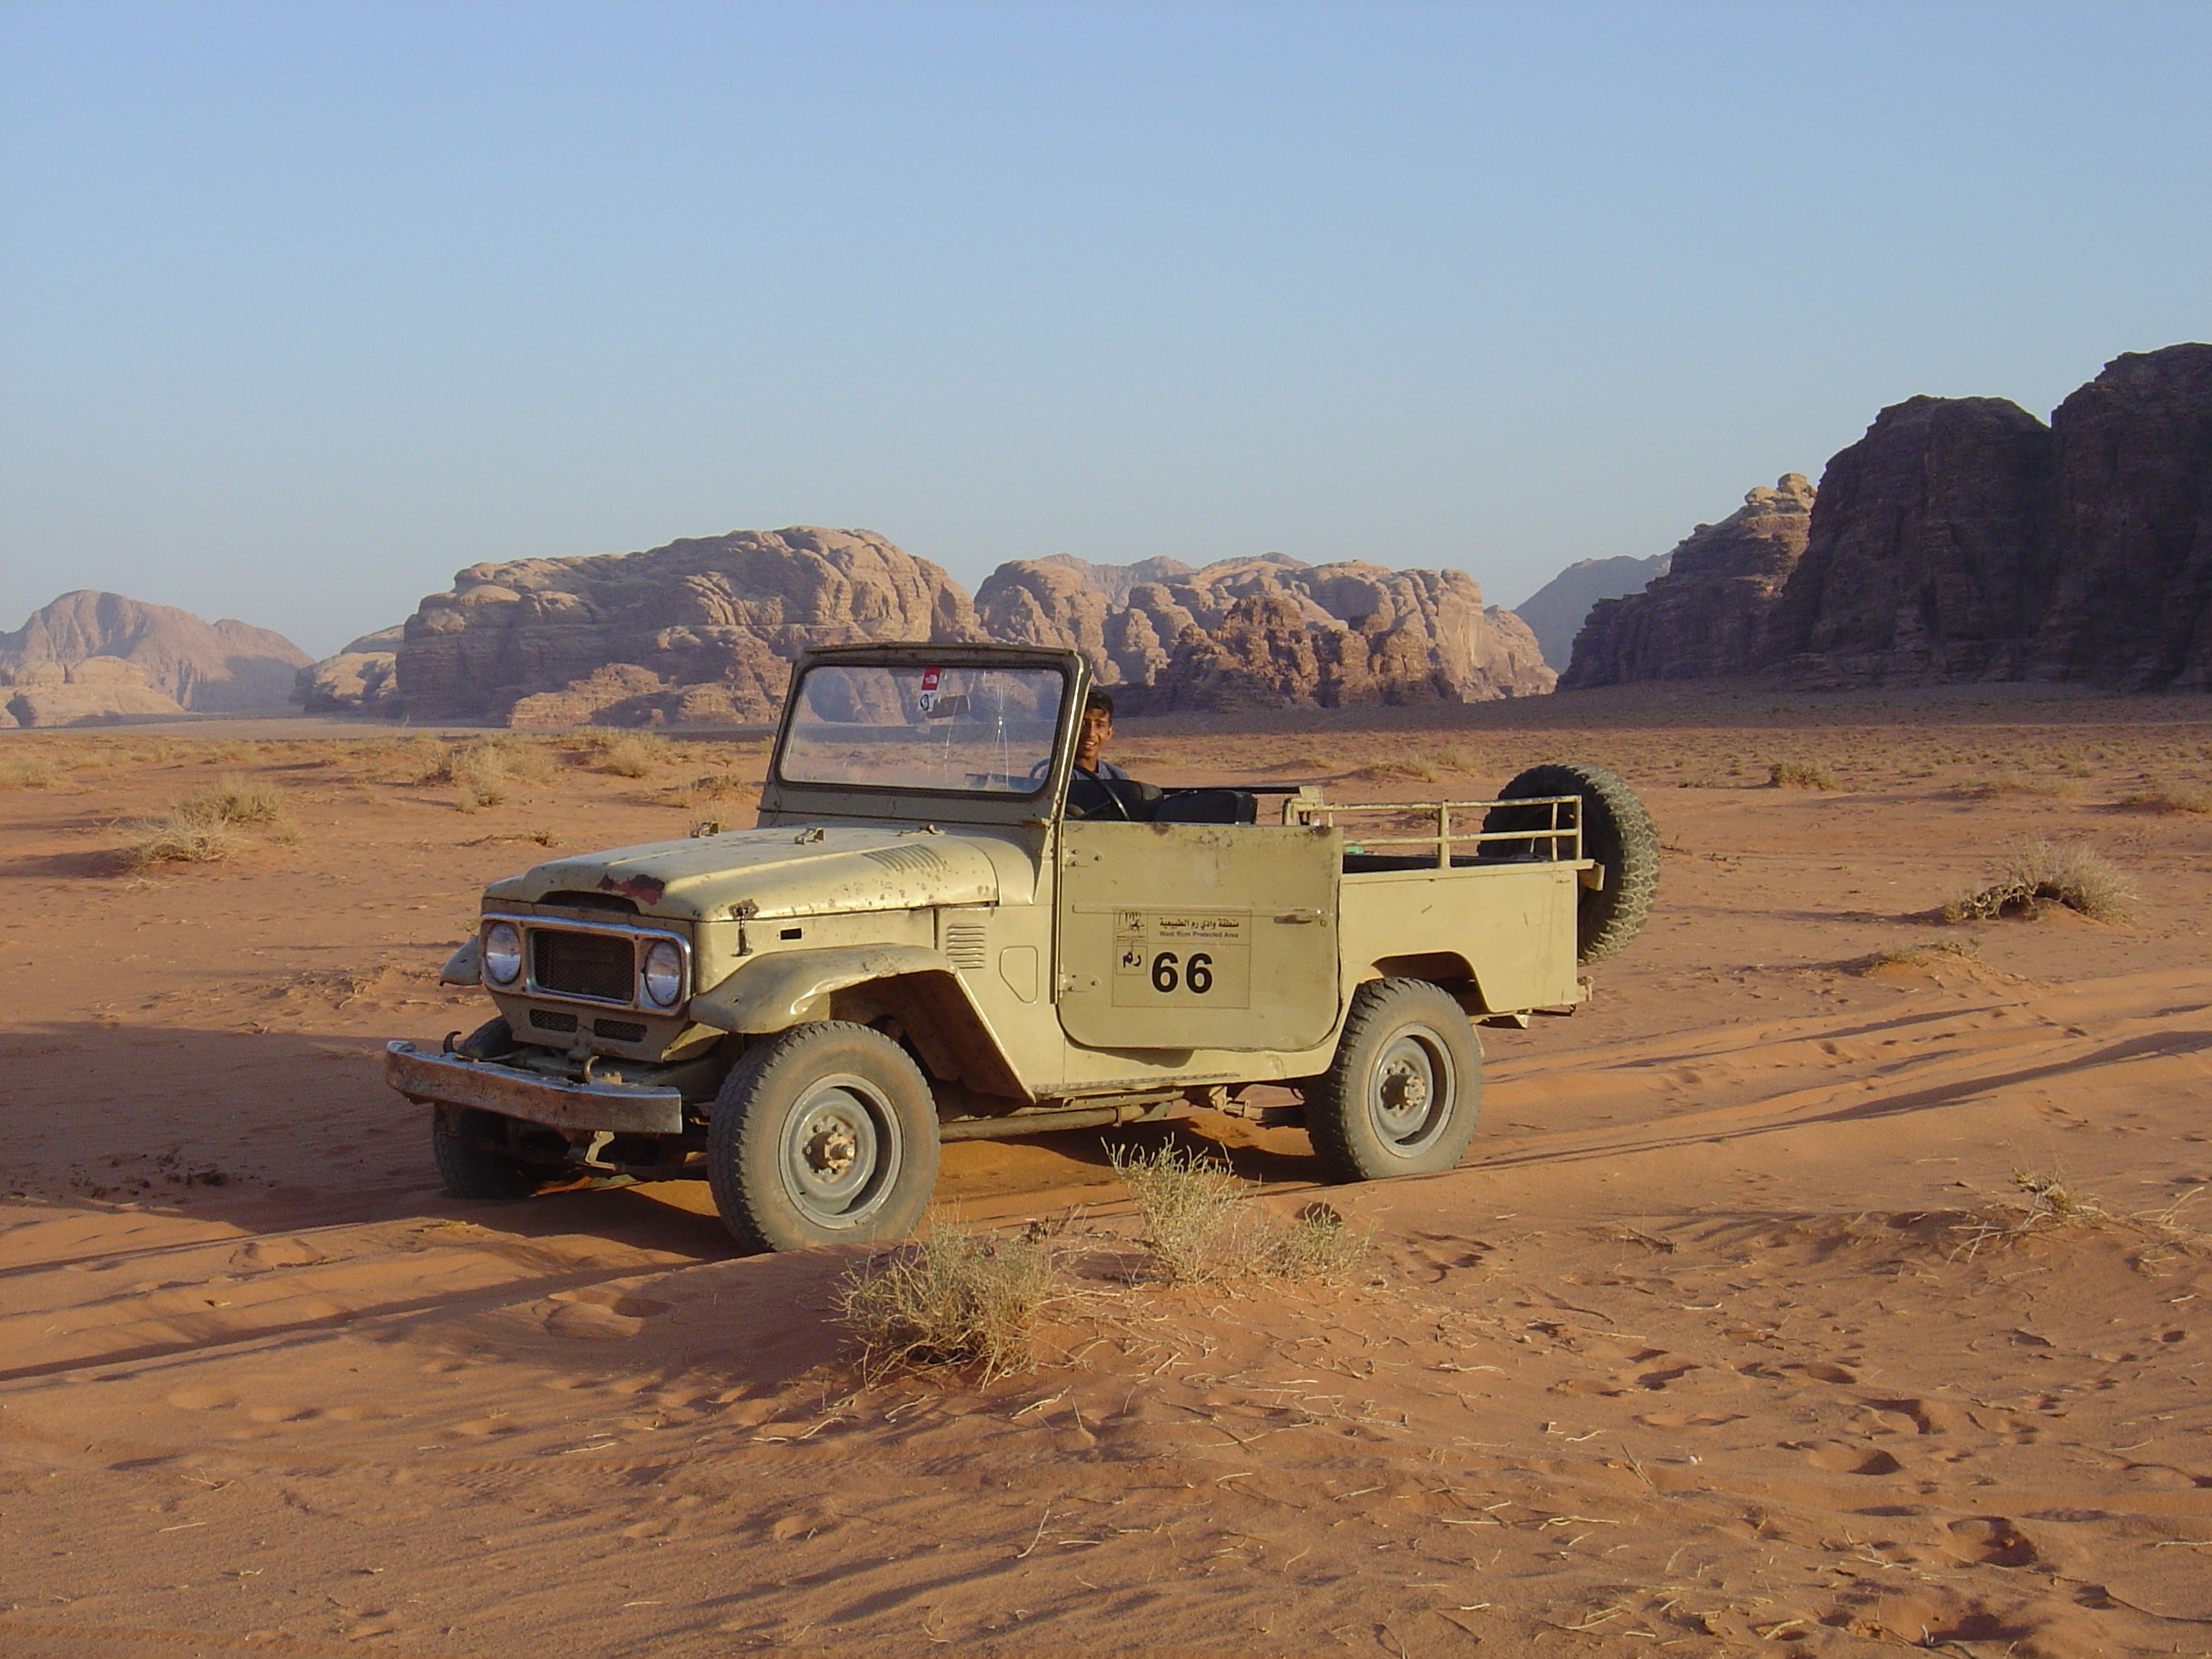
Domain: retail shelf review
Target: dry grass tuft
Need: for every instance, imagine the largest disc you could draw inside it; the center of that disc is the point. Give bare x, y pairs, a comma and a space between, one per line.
1798, 774
203, 827
484, 769
635, 755
2049, 1204
2184, 798
29, 772
950, 1300
2009, 781
2036, 874
1200, 1226
1918, 956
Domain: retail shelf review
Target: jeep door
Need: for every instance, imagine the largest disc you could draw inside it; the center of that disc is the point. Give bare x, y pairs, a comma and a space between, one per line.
1197, 936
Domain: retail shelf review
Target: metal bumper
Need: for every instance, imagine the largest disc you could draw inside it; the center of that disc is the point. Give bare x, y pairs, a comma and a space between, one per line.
449, 1079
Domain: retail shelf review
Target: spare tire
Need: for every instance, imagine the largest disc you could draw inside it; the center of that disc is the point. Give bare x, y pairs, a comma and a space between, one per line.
1617, 832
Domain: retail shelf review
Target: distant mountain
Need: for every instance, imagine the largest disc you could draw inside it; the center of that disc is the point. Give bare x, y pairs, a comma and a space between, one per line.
200, 666
1555, 611
1961, 539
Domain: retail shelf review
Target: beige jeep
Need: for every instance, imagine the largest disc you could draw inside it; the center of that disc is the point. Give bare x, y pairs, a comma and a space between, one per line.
929, 936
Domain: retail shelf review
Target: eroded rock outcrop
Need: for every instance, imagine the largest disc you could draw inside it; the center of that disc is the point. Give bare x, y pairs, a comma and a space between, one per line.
361, 678
2131, 543
201, 666
1928, 558
700, 630
1962, 539
1707, 615
93, 691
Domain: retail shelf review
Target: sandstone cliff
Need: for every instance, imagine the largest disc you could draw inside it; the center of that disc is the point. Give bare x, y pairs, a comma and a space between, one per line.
2131, 545
1556, 611
1962, 539
1928, 557
361, 678
699, 630
1269, 632
93, 691
205, 667
1707, 615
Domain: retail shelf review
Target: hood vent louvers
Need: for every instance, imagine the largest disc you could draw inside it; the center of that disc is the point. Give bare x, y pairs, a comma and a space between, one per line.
908, 861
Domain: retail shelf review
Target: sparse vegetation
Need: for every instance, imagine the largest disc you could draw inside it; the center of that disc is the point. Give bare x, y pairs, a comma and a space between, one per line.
203, 827
635, 755
484, 769
2011, 781
952, 1298
1200, 1226
1798, 774
2183, 797
2050, 1202
29, 772
2036, 874
1920, 956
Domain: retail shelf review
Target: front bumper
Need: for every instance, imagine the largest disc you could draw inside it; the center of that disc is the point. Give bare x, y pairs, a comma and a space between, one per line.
451, 1081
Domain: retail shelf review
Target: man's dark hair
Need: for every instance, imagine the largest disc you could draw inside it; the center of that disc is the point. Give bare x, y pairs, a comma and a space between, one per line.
1095, 698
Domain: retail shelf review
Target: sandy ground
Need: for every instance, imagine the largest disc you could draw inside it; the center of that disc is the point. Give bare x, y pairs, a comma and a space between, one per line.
1694, 1353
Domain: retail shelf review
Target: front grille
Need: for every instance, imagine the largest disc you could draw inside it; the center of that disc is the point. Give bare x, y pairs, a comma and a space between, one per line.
596, 965
544, 1019
618, 1030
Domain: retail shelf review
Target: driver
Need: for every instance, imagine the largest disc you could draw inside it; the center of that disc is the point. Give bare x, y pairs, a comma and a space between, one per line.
1090, 741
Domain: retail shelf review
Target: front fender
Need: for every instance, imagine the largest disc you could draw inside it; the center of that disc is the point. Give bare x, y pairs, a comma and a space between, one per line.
775, 992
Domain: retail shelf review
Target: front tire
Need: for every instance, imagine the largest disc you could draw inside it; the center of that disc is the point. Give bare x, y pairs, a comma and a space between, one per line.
1404, 1090
468, 1169
825, 1134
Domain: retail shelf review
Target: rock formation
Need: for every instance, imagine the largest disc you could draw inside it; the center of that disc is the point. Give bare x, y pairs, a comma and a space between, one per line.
2131, 544
1962, 539
205, 667
709, 626
1271, 633
1555, 612
92, 691
702, 632
361, 678
1928, 558
1707, 614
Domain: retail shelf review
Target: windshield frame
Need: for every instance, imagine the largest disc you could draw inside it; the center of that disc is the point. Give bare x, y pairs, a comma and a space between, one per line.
871, 799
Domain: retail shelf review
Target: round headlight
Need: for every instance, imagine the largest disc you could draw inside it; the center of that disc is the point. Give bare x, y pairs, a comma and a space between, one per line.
503, 953
663, 974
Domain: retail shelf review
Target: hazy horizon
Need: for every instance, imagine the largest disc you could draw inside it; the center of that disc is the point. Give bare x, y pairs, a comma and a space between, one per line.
304, 308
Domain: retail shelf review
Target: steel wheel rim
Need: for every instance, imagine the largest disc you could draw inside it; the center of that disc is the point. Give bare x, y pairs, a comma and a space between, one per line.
1410, 1091
842, 1151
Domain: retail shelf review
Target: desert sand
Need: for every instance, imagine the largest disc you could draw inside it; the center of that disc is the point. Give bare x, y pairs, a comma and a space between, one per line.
1710, 1345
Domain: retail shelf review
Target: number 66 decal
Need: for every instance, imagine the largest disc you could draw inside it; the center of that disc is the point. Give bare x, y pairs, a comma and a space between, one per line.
1197, 975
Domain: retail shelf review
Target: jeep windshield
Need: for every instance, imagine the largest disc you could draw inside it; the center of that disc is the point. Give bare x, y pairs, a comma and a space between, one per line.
949, 729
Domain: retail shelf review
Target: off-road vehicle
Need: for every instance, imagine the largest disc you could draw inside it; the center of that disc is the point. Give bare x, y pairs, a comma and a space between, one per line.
932, 934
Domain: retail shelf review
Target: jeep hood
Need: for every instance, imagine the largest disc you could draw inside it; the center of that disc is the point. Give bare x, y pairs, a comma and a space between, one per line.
783, 871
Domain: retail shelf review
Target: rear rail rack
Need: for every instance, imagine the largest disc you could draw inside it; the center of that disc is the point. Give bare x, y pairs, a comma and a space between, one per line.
1559, 830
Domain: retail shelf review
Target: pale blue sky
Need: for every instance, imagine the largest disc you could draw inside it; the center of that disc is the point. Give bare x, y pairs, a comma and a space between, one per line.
305, 306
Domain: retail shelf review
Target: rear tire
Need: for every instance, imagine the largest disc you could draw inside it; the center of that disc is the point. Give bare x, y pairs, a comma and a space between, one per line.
1403, 1093
825, 1134
469, 1170
1617, 833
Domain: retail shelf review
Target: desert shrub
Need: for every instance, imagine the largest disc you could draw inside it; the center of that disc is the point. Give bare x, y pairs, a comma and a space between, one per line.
1798, 774
2184, 798
1919, 955
181, 837
1200, 1226
483, 768
2036, 873
716, 784
235, 798
2012, 782
951, 1298
29, 772
2048, 1203
635, 755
